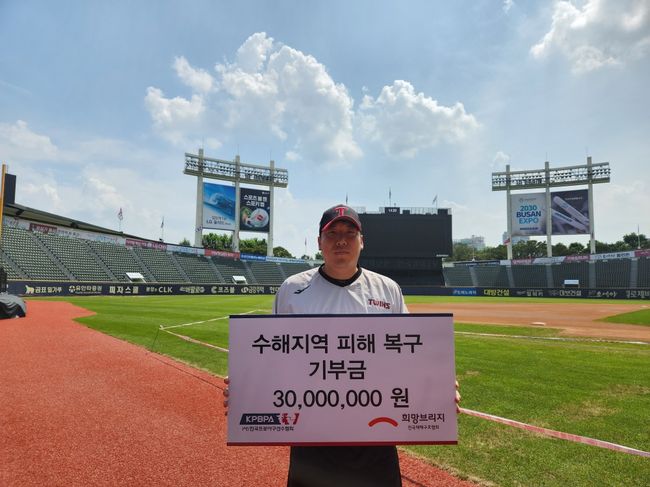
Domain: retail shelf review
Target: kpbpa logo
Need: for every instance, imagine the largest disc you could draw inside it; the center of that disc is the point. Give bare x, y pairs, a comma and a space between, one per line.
268, 419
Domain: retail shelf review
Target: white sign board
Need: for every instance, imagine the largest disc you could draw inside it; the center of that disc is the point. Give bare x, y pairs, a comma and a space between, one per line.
342, 380
528, 214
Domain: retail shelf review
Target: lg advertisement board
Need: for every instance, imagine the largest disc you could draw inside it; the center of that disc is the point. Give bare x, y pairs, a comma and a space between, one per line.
218, 206
569, 213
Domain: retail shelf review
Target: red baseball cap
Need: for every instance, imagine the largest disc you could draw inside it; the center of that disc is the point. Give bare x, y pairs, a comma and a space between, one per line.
339, 213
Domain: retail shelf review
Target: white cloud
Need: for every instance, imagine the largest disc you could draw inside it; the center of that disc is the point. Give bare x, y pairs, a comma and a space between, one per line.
500, 160
275, 88
253, 53
507, 5
404, 122
176, 119
20, 144
296, 221
600, 33
42, 194
272, 91
197, 79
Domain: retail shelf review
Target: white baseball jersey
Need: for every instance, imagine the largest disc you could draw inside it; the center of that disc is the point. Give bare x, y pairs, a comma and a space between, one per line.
312, 292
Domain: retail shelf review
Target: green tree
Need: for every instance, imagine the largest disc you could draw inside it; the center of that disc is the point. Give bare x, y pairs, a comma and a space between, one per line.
500, 252
529, 249
576, 248
253, 246
602, 247
282, 252
560, 249
217, 241
318, 256
462, 252
184, 242
635, 241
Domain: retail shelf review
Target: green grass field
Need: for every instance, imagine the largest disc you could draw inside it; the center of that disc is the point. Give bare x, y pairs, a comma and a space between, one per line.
595, 389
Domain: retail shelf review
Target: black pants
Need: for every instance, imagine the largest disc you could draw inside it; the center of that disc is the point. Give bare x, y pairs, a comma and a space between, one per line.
343, 466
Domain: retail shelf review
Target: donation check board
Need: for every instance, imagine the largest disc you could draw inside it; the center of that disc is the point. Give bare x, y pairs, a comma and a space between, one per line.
342, 380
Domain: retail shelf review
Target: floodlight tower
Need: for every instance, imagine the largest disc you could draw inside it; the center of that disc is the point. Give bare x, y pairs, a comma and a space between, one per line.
235, 171
586, 174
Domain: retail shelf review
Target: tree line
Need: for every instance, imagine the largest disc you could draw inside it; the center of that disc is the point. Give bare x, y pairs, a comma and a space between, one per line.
256, 246
537, 248
461, 252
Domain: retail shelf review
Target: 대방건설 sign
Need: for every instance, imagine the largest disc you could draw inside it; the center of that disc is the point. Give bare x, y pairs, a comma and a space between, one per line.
342, 380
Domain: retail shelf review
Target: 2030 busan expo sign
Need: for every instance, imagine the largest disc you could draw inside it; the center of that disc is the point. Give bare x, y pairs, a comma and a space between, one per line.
342, 380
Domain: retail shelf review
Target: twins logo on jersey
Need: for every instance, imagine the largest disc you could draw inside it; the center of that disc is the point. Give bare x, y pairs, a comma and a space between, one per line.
379, 303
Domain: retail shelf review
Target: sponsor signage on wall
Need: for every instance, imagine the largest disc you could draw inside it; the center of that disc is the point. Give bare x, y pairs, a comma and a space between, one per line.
218, 206
69, 288
254, 210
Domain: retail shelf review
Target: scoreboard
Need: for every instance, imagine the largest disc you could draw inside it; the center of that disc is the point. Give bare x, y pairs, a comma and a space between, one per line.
396, 233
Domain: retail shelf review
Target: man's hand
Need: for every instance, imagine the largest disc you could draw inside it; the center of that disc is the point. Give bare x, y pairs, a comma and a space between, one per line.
226, 393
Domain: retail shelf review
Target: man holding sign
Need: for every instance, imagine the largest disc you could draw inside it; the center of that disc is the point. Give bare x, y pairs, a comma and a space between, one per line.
340, 286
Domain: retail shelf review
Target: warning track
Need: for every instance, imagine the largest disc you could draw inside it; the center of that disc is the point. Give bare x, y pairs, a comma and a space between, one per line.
81, 408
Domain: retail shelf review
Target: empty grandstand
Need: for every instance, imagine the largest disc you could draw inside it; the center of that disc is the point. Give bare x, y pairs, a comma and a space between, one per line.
615, 273
51, 248
43, 251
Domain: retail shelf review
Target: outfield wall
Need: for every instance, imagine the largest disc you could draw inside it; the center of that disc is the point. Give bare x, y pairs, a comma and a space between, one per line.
68, 288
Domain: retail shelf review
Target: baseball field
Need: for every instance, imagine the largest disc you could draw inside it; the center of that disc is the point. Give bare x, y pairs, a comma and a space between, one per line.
575, 366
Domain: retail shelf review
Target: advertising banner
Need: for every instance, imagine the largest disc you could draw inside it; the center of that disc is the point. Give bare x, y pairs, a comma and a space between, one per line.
528, 214
244, 256
218, 206
222, 253
254, 210
145, 244
68, 288
341, 379
570, 212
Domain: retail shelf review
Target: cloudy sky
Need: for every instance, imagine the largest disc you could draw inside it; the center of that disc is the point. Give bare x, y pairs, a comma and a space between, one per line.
99, 101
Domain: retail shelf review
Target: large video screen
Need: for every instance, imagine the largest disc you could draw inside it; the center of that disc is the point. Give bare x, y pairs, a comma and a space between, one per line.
400, 235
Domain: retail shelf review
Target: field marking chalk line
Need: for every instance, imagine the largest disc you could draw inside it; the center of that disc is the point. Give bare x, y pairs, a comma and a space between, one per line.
198, 342
559, 339
557, 434
207, 321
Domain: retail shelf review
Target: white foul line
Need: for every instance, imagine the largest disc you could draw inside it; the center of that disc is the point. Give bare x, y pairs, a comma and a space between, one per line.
557, 434
559, 339
207, 321
198, 342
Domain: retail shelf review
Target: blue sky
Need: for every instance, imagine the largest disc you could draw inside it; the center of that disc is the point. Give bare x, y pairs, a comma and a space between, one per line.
99, 101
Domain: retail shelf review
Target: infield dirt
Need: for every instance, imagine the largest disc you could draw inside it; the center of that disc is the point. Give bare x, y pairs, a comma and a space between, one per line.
574, 319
